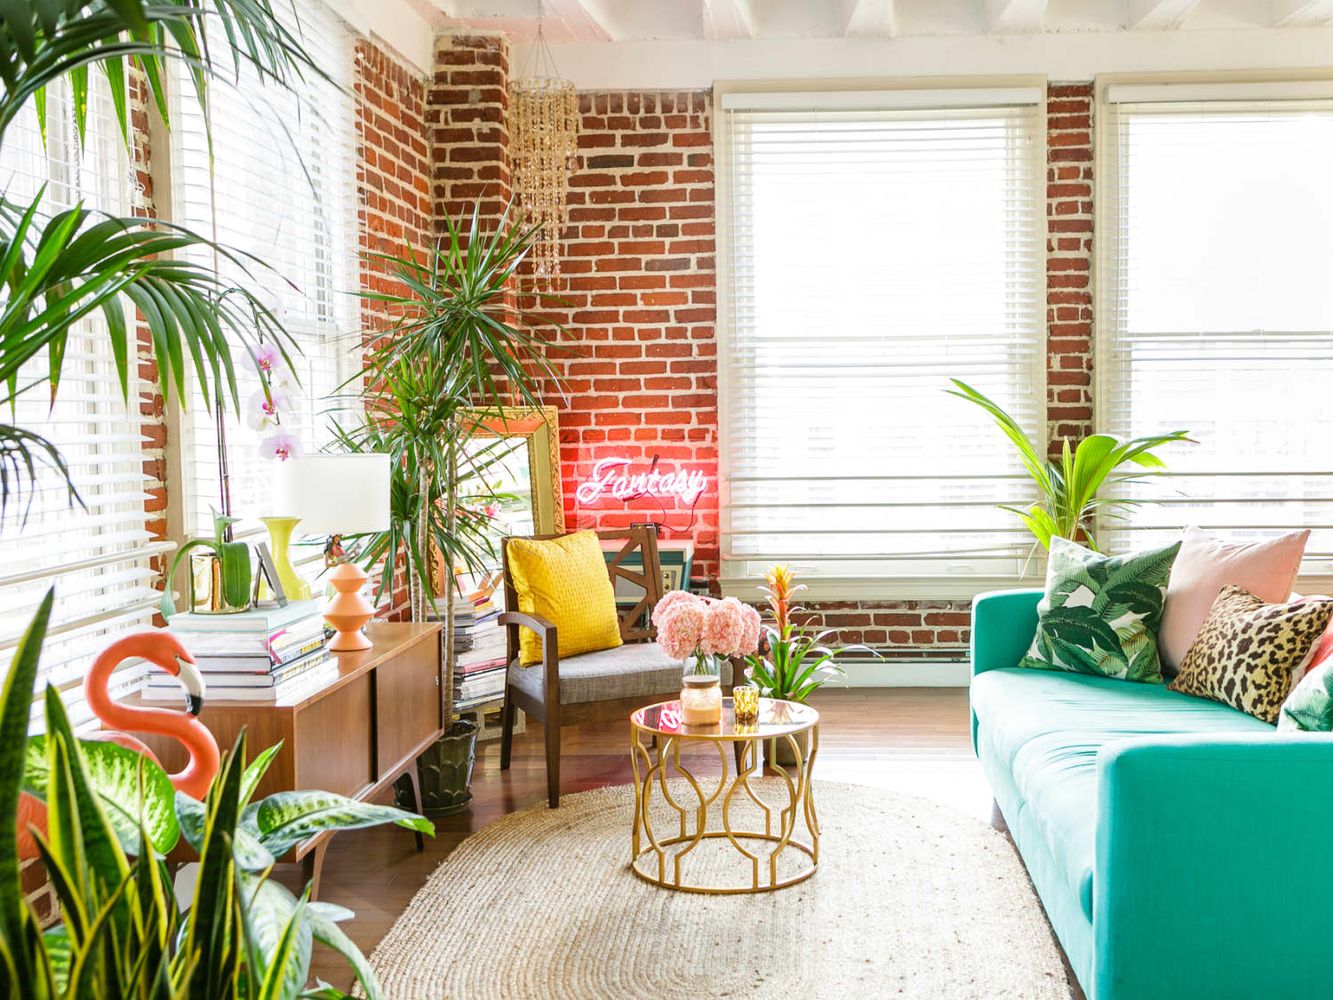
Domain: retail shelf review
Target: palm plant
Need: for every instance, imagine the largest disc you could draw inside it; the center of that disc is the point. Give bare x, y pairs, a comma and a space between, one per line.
1084, 484
112, 815
59, 267
461, 347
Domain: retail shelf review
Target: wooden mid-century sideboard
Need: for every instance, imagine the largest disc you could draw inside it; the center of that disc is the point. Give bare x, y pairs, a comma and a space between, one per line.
354, 735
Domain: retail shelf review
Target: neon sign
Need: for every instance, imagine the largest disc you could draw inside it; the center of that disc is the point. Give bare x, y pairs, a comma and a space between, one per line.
611, 477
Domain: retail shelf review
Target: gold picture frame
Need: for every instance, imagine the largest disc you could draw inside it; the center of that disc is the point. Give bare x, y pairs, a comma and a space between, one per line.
540, 428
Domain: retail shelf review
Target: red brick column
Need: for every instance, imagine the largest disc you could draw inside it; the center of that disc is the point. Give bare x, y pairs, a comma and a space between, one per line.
1069, 110
394, 207
469, 133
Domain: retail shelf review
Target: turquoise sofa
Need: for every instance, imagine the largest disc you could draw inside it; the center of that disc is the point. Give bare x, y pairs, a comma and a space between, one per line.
1179, 846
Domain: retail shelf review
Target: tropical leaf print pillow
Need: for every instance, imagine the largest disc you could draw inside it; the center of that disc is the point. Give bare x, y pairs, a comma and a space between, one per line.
1101, 614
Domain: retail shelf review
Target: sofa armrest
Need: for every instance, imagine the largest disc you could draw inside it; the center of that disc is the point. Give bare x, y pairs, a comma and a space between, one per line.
1209, 874
1003, 624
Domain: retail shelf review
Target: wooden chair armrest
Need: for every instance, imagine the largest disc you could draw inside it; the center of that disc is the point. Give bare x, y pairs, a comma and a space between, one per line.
537, 623
546, 635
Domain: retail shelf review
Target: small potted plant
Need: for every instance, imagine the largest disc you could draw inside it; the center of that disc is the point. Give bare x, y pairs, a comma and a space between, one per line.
793, 661
227, 574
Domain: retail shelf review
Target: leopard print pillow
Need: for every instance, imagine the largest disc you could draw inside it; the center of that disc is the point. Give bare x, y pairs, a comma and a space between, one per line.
1246, 652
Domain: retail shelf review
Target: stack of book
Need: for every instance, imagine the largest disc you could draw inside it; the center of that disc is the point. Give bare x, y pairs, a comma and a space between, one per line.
260, 655
478, 640
479, 674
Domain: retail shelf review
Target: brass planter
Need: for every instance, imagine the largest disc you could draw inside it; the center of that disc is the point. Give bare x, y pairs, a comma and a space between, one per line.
207, 595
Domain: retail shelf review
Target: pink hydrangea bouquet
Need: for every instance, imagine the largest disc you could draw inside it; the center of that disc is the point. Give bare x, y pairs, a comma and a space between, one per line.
691, 626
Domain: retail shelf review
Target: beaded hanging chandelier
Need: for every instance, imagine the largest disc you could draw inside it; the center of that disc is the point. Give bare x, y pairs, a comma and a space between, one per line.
544, 127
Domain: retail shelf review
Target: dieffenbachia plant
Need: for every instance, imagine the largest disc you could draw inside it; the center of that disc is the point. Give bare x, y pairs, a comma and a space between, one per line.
112, 817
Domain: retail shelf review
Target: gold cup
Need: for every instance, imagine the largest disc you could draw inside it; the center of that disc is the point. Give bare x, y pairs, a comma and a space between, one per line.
745, 704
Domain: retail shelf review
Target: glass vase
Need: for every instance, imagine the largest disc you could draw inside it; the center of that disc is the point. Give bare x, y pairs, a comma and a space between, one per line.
704, 663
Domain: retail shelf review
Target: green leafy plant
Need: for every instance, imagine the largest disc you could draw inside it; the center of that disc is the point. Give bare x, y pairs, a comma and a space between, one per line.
111, 816
233, 560
1083, 484
793, 661
461, 347
57, 267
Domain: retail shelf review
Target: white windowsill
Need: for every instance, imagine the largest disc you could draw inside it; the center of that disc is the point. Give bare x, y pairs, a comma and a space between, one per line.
819, 589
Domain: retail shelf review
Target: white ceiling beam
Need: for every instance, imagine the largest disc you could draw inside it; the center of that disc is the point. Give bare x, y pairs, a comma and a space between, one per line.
581, 18
874, 18
726, 19
1014, 15
1159, 15
1302, 13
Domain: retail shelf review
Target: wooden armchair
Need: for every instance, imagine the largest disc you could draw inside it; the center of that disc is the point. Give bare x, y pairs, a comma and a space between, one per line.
591, 687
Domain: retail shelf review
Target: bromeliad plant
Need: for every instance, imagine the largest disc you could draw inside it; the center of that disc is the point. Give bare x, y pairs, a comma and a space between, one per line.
111, 816
233, 561
1084, 483
793, 661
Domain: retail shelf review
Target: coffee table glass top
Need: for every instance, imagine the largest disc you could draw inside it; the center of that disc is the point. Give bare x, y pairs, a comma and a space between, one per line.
776, 718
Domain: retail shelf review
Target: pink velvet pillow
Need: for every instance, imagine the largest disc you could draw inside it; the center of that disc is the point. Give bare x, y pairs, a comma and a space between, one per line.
1204, 566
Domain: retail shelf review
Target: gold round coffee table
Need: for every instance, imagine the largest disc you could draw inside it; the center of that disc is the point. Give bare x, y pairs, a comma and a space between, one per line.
787, 724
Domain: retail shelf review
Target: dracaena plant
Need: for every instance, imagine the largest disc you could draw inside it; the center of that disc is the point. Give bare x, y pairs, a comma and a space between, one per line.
111, 817
794, 661
1085, 484
461, 345
59, 264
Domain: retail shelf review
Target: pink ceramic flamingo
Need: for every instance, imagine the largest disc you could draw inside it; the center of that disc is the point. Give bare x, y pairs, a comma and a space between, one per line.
162, 650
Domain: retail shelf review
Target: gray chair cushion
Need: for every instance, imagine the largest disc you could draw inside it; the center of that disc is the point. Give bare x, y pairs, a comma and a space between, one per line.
634, 670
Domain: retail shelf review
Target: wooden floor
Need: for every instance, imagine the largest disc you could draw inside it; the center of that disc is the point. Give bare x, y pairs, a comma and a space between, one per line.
913, 740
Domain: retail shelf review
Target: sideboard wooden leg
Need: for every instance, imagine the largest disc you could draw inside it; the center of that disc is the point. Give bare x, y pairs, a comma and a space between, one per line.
415, 779
312, 867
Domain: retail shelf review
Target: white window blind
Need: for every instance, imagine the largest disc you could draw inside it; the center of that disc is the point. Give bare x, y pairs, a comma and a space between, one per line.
98, 558
282, 187
1216, 312
873, 254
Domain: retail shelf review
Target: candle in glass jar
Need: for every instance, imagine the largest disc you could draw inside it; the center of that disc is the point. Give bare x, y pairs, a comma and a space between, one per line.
701, 700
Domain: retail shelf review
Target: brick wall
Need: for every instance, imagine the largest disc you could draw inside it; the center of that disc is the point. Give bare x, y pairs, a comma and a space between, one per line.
151, 405
1069, 109
469, 133
639, 352
394, 207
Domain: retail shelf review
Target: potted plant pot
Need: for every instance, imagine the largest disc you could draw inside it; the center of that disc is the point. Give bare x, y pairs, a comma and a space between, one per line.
444, 772
779, 751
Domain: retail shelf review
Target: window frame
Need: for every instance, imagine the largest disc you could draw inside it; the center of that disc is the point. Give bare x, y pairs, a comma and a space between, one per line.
863, 587
1259, 85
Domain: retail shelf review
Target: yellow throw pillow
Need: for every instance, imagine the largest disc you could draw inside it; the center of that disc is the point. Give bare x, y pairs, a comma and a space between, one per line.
564, 580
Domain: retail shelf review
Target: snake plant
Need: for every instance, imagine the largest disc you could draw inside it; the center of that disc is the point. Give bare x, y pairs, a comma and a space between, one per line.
233, 559
1084, 483
111, 819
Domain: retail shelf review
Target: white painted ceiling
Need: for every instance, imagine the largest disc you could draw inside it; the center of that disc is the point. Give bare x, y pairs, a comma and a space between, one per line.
566, 21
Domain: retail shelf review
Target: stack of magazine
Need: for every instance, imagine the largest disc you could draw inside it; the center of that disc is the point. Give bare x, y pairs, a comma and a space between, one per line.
260, 655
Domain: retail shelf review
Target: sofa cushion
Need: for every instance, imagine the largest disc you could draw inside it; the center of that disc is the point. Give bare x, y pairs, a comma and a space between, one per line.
1047, 729
635, 670
1248, 651
1100, 614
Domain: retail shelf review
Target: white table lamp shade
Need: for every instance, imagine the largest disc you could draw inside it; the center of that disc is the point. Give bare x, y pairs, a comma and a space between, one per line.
334, 494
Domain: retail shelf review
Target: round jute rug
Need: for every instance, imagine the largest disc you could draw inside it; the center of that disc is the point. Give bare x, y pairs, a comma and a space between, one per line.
910, 900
